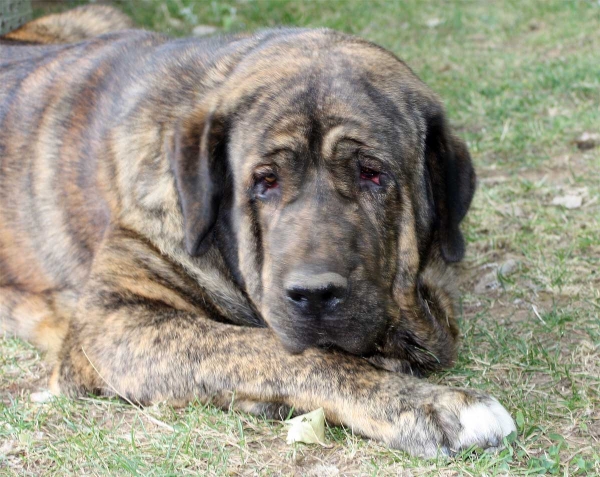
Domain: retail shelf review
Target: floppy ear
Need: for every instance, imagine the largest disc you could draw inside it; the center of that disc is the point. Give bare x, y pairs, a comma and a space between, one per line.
452, 181
198, 163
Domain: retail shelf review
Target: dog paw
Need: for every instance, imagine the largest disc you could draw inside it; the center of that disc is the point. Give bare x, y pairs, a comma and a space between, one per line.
484, 424
446, 421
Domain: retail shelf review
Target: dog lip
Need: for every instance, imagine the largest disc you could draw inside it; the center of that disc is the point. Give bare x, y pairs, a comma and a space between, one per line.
356, 348
293, 340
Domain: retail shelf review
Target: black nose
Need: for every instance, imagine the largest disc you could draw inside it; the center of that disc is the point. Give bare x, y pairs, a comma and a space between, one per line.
316, 293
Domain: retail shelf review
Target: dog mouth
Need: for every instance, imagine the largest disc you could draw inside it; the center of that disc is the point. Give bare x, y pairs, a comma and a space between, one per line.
352, 335
329, 311
356, 346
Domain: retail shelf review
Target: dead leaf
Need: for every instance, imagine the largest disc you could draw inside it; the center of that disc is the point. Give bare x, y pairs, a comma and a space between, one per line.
308, 428
568, 201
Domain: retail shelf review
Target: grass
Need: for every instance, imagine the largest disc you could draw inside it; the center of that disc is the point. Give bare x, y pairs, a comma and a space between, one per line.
521, 80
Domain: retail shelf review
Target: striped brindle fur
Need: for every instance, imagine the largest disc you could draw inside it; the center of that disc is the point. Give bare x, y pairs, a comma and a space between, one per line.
263, 221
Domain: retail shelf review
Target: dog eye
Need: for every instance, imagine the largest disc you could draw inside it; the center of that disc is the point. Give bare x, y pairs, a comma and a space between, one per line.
370, 175
270, 181
266, 184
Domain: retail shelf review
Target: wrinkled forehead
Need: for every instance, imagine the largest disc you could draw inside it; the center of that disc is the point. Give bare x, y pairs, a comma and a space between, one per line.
316, 113
314, 101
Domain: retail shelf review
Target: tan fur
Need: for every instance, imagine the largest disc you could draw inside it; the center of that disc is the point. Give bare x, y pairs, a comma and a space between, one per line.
69, 27
115, 253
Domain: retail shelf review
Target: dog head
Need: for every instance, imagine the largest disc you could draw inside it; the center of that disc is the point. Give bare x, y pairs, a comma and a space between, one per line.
327, 173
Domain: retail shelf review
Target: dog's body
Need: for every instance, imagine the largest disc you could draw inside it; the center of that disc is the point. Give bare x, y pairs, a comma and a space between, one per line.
72, 26
155, 241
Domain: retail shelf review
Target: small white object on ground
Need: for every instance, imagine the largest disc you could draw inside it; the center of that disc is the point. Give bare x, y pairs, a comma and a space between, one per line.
568, 201
588, 141
41, 397
204, 30
308, 428
434, 22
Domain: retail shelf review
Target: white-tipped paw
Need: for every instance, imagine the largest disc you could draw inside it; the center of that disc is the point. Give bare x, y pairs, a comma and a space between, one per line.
457, 419
484, 424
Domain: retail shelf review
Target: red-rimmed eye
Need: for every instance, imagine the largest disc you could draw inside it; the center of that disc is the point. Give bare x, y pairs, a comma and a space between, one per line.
270, 181
266, 185
372, 175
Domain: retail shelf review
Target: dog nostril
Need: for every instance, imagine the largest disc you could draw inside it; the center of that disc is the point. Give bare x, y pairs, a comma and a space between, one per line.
315, 300
327, 296
315, 293
296, 296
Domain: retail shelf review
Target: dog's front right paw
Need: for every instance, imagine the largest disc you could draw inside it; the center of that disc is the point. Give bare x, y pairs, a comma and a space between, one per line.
451, 420
484, 424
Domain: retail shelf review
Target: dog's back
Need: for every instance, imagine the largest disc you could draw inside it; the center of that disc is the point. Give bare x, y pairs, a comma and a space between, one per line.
36, 80
72, 26
59, 104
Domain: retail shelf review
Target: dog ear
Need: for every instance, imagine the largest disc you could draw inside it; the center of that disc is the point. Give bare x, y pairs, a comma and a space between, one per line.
198, 164
452, 180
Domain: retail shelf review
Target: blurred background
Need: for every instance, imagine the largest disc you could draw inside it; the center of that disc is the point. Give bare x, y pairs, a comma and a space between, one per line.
491, 61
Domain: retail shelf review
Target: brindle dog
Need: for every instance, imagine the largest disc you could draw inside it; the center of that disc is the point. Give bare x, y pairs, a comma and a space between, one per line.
75, 25
262, 221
